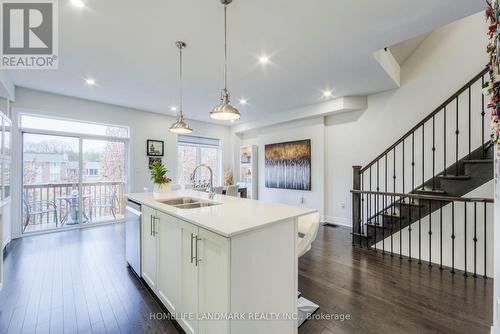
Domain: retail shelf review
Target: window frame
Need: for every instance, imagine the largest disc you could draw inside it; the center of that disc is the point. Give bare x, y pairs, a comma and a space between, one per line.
217, 173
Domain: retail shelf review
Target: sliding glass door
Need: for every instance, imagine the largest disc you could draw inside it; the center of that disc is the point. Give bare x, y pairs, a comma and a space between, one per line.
72, 179
51, 178
103, 179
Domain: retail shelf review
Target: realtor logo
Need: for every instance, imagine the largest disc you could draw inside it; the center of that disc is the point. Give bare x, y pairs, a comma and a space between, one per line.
29, 34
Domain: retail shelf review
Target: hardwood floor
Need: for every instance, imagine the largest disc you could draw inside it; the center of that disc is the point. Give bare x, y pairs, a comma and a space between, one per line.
76, 282
383, 294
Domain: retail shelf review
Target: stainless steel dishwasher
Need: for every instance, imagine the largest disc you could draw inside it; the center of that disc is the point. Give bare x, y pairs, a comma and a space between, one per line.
133, 215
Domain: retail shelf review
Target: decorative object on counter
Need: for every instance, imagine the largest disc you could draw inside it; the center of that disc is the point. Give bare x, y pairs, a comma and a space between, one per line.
154, 148
153, 160
224, 111
228, 176
492, 88
180, 126
162, 183
288, 165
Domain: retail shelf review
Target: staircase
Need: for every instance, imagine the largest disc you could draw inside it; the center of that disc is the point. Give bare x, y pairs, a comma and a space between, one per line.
423, 180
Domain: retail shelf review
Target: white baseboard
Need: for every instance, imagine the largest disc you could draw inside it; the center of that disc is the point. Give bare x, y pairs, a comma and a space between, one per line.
337, 220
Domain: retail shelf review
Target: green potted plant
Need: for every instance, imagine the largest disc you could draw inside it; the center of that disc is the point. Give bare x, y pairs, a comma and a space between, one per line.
162, 183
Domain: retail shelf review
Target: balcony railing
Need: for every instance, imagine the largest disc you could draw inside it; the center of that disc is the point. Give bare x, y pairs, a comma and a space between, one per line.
54, 205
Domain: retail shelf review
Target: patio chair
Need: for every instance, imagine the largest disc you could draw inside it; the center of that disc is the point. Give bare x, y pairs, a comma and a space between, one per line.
34, 208
108, 202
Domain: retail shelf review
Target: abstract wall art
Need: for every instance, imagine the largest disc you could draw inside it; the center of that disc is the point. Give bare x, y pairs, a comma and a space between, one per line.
288, 165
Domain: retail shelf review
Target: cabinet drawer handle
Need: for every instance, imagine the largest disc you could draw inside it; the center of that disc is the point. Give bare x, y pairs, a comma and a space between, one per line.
197, 259
192, 257
151, 226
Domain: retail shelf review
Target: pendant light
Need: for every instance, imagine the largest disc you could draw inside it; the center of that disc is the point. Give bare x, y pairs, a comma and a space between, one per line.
224, 110
180, 126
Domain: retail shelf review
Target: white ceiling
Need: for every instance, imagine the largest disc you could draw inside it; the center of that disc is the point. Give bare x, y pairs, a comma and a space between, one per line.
128, 46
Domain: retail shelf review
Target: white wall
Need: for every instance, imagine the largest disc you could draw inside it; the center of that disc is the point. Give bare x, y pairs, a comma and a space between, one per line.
443, 63
143, 126
311, 129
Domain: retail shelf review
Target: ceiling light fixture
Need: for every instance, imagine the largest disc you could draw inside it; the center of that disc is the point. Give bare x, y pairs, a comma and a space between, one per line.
90, 82
327, 93
224, 110
243, 102
264, 60
78, 3
173, 108
180, 126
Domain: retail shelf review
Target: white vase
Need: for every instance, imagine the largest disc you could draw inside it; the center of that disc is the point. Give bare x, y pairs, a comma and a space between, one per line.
162, 188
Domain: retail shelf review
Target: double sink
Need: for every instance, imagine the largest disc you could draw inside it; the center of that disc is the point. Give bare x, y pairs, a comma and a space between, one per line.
188, 203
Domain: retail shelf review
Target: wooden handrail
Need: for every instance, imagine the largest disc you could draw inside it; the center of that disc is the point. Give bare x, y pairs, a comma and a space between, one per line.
427, 118
428, 197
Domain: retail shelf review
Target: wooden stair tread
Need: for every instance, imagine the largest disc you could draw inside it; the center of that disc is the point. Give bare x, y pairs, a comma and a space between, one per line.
478, 161
454, 177
430, 191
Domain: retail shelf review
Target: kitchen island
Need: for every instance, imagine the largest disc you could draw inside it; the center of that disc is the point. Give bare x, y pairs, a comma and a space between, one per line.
223, 264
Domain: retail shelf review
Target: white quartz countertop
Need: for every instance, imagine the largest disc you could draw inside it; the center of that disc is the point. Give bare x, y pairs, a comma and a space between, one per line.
232, 217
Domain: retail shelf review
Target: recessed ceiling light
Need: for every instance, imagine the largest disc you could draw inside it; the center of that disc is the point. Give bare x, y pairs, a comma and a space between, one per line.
90, 82
243, 102
78, 3
327, 93
173, 108
264, 60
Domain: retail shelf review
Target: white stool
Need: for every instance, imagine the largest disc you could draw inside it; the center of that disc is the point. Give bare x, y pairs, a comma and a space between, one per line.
308, 227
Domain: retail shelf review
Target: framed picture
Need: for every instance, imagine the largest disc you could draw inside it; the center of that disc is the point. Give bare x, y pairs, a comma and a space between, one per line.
154, 148
288, 165
152, 160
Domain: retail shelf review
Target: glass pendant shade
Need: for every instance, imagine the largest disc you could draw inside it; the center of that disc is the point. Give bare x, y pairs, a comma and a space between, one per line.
224, 111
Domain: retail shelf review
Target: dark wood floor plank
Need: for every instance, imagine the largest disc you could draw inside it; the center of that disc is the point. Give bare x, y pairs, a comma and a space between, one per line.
77, 282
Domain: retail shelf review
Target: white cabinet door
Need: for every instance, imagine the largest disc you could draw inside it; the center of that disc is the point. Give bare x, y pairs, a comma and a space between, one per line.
149, 251
189, 277
214, 284
169, 243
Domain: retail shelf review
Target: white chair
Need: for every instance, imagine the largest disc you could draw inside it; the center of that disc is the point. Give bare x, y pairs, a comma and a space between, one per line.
232, 190
308, 227
218, 190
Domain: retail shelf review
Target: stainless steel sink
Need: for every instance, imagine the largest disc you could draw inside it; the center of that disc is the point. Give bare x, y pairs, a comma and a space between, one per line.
195, 205
187, 203
179, 201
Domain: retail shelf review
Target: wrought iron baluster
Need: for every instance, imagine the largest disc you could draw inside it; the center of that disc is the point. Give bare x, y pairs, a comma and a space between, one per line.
393, 197
361, 225
465, 239
430, 233
475, 240
433, 153
453, 237
444, 142
482, 120
419, 231
441, 236
470, 123
423, 155
484, 235
456, 140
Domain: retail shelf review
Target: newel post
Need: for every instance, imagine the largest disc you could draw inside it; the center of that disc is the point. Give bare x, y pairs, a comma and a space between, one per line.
356, 203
